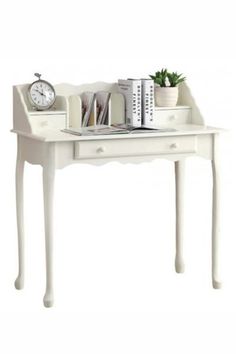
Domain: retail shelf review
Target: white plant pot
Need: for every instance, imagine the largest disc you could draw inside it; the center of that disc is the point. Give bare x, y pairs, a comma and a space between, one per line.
166, 96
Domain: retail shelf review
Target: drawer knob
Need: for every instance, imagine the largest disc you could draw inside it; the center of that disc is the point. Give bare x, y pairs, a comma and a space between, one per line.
172, 117
100, 149
173, 146
44, 123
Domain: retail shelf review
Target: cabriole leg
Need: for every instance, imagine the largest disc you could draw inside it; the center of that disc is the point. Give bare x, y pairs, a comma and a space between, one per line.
215, 216
179, 191
19, 282
48, 190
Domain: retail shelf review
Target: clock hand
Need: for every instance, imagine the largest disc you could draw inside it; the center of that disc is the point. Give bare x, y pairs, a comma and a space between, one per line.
38, 91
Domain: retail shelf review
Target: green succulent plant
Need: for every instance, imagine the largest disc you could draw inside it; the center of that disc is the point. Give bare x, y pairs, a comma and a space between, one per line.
164, 78
160, 77
175, 78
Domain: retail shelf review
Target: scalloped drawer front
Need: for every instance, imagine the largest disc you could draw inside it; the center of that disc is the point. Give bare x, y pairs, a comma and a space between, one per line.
172, 117
135, 147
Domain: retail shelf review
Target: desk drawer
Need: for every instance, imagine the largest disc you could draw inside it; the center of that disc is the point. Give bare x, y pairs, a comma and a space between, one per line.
135, 147
172, 117
50, 121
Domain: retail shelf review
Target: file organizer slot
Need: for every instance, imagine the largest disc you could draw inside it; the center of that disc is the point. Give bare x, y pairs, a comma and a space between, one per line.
87, 102
75, 112
103, 107
93, 116
116, 109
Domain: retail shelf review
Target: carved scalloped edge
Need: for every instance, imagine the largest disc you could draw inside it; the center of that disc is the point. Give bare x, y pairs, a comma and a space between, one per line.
125, 160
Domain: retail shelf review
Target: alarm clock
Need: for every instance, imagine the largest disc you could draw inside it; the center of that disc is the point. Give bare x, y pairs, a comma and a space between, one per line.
41, 94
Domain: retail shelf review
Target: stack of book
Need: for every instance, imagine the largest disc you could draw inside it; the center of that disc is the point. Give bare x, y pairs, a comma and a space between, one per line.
139, 100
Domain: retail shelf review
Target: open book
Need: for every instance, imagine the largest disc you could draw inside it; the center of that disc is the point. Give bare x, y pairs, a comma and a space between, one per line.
114, 129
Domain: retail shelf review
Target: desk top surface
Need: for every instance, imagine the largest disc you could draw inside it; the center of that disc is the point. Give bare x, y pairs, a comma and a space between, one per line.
59, 136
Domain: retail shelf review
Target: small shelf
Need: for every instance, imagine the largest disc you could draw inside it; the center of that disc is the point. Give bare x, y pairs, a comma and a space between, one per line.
46, 113
159, 108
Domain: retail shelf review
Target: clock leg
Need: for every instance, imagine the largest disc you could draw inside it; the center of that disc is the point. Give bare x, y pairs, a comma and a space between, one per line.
179, 191
215, 216
19, 282
48, 190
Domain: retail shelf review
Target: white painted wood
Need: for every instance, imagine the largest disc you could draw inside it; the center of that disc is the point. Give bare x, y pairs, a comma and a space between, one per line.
19, 282
179, 201
27, 120
40, 123
172, 117
33, 151
46, 113
139, 146
67, 110
215, 215
157, 108
20, 112
59, 136
66, 89
117, 108
65, 157
48, 191
204, 146
186, 98
41, 141
75, 112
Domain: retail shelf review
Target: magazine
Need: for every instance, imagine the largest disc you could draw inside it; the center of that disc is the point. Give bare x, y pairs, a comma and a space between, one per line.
102, 100
114, 129
88, 99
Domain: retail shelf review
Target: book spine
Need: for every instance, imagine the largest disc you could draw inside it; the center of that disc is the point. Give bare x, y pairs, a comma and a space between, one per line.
137, 103
131, 89
148, 102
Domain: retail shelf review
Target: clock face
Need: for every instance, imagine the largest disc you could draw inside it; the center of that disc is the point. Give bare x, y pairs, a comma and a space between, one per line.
42, 94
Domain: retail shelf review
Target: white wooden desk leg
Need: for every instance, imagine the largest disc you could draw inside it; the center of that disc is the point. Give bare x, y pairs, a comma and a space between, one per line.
48, 190
215, 215
19, 282
179, 187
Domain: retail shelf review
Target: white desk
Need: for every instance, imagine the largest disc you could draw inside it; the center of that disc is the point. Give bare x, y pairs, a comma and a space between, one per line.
53, 149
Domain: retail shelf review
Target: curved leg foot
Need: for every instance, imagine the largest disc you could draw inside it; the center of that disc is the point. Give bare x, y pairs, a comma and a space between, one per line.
179, 266
48, 299
19, 282
216, 284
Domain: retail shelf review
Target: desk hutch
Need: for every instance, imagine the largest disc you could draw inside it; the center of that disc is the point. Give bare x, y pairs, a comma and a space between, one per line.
40, 140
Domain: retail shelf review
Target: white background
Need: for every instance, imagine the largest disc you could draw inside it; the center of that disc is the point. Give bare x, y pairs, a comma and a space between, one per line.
115, 286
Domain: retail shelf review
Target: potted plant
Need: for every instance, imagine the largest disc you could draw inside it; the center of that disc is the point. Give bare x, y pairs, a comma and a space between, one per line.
166, 88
